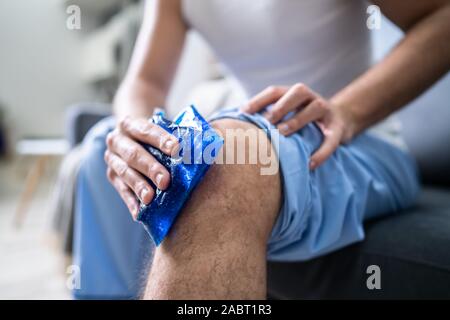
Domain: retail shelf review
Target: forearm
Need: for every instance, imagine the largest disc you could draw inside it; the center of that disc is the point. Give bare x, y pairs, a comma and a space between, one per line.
421, 58
154, 62
137, 98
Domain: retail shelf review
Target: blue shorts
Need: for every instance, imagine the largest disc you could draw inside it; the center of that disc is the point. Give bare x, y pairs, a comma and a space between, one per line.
323, 210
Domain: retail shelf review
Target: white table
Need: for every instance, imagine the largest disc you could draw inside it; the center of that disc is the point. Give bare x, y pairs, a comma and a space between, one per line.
42, 150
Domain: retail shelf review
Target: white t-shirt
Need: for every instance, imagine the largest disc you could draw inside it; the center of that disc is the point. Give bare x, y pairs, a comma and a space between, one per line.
324, 44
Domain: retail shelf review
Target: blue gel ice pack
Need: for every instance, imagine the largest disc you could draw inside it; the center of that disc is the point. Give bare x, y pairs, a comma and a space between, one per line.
199, 145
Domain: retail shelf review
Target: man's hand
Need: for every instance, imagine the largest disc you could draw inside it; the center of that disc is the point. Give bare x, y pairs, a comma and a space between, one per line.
308, 106
129, 163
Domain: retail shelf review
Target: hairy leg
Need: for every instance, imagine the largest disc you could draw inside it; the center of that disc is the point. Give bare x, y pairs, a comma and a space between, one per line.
217, 247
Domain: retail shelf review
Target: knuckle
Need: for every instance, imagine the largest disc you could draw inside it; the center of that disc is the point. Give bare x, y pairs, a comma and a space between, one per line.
131, 154
273, 90
106, 156
270, 88
124, 123
145, 127
251, 105
121, 170
332, 142
110, 139
299, 88
276, 112
321, 104
109, 174
123, 189
294, 123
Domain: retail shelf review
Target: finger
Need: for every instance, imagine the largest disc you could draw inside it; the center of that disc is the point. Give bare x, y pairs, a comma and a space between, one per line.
124, 192
297, 96
138, 158
329, 145
314, 111
264, 98
145, 131
132, 178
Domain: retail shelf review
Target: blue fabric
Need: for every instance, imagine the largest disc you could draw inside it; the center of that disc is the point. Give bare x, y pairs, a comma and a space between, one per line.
109, 247
323, 210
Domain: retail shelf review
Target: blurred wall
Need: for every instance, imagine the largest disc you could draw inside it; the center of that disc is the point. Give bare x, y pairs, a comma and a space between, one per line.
425, 120
39, 66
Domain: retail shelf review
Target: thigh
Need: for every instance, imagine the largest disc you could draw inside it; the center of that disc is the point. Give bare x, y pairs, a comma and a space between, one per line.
109, 247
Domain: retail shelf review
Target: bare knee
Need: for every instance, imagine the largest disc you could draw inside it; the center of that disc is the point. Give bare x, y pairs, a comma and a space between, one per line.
242, 174
234, 199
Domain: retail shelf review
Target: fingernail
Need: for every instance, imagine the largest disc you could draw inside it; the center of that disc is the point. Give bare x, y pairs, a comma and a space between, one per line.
158, 179
168, 145
284, 128
144, 193
134, 212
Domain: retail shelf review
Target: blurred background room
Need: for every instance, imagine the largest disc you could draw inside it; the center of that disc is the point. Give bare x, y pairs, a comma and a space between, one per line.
56, 80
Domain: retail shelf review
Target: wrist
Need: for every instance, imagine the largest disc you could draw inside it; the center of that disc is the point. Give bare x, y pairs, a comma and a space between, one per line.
348, 120
136, 101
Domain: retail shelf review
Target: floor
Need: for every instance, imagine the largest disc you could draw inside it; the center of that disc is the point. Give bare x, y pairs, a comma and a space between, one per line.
30, 266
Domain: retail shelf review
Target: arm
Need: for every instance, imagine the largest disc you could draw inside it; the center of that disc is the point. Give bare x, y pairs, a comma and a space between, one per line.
145, 87
154, 61
418, 61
